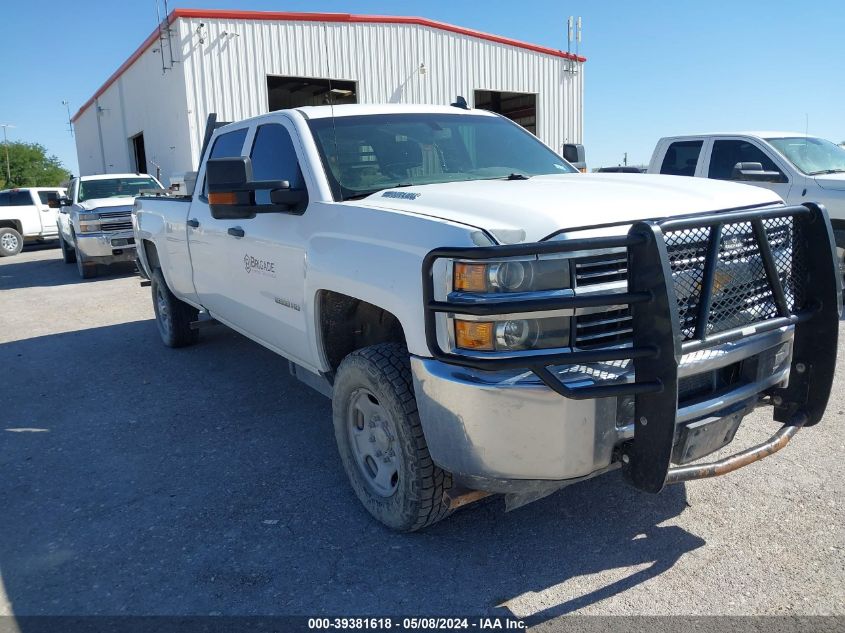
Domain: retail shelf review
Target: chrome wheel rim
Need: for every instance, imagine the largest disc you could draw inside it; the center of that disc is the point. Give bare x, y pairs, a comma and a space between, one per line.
162, 310
9, 242
374, 443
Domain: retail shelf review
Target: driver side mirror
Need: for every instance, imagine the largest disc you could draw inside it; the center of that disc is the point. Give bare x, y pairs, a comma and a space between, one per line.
753, 172
59, 203
231, 190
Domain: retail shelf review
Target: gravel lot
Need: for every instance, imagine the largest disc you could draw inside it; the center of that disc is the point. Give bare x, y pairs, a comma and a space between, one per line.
142, 480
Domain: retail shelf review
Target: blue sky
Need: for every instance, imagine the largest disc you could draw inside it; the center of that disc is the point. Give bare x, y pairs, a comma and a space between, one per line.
654, 68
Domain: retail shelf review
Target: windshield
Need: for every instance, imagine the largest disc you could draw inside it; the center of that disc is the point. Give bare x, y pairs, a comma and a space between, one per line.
114, 187
813, 156
365, 154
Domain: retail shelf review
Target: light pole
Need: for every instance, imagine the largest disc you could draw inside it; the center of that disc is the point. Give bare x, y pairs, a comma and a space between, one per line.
6, 145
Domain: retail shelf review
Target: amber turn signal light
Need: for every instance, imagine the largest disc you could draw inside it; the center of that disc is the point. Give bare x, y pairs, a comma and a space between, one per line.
223, 197
477, 335
470, 277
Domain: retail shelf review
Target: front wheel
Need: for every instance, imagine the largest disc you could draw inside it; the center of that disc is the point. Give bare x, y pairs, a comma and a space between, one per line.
11, 242
381, 442
68, 252
84, 266
173, 317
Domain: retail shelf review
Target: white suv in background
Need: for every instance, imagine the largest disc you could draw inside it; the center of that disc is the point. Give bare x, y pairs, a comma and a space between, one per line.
25, 216
797, 167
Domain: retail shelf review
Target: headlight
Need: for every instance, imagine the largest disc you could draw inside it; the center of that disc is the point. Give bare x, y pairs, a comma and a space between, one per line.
512, 334
514, 275
87, 217
88, 228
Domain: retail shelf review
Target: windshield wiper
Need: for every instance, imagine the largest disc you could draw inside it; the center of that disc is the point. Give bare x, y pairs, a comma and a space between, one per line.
827, 171
365, 194
516, 176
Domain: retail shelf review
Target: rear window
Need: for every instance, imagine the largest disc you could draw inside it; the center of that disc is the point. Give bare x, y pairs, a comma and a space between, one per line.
681, 158
20, 198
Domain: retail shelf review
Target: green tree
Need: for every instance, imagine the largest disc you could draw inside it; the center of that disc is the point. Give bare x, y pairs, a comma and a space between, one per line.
30, 166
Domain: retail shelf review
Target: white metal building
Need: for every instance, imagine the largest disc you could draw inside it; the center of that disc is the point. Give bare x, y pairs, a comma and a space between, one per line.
151, 113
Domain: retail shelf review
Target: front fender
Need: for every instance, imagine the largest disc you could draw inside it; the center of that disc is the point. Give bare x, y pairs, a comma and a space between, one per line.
376, 256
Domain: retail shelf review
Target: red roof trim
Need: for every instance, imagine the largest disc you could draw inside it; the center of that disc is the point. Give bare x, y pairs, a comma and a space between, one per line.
213, 14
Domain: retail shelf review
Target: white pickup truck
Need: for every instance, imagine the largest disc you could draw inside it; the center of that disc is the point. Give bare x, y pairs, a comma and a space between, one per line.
487, 320
26, 215
95, 220
797, 167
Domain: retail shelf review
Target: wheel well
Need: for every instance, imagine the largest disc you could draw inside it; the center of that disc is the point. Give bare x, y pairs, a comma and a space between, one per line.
347, 324
152, 254
11, 224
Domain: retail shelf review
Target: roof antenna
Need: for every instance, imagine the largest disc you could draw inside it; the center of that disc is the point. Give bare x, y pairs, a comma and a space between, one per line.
460, 102
331, 105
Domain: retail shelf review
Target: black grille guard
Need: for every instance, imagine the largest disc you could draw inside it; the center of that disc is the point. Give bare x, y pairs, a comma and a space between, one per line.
658, 341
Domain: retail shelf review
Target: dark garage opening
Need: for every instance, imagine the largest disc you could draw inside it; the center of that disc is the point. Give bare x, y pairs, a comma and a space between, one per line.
139, 153
519, 107
295, 92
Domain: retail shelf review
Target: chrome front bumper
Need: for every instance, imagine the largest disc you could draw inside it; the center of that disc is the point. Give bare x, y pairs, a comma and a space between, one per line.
493, 430
108, 247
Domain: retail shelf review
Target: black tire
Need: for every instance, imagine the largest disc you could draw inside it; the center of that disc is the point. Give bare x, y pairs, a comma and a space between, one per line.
85, 267
11, 242
68, 252
384, 372
173, 317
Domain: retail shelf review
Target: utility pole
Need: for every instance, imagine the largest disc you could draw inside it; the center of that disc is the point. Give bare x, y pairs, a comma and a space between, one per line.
625, 159
6, 145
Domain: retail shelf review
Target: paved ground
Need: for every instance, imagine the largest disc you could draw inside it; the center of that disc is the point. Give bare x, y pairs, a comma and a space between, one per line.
138, 479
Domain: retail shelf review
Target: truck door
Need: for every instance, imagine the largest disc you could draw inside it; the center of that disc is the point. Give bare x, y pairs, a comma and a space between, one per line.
268, 262
208, 239
26, 210
48, 216
727, 152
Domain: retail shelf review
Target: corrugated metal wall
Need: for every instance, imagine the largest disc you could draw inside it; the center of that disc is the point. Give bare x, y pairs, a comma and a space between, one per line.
226, 72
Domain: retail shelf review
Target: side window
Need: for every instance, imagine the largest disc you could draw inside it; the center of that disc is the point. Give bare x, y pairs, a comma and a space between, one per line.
226, 146
46, 196
20, 198
4, 199
726, 154
274, 158
71, 192
681, 158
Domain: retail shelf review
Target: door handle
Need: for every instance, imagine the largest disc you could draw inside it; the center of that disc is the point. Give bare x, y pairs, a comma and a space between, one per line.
236, 231
193, 223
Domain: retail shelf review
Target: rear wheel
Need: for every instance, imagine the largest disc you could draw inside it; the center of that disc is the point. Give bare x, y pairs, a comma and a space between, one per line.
173, 317
11, 242
68, 252
380, 439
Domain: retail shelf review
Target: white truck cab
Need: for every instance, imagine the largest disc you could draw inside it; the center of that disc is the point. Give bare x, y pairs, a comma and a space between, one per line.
95, 220
486, 319
26, 215
797, 167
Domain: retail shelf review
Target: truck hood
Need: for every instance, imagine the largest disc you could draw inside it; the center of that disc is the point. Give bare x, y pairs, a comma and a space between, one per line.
834, 182
101, 203
528, 210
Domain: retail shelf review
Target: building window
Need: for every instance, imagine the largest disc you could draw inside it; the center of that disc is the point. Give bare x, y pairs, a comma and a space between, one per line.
520, 107
296, 92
